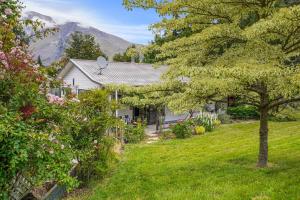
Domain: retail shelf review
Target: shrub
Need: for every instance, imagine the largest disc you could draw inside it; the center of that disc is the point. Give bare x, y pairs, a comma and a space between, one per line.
224, 118
96, 160
243, 112
134, 133
286, 115
182, 130
89, 119
199, 130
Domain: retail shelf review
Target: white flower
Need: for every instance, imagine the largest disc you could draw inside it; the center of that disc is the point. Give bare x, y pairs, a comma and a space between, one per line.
51, 137
62, 146
95, 141
74, 161
51, 151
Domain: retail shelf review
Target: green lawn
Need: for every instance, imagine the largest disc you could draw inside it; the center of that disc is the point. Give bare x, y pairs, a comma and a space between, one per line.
219, 165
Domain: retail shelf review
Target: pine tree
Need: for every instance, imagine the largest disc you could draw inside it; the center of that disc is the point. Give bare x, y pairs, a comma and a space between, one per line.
243, 48
83, 46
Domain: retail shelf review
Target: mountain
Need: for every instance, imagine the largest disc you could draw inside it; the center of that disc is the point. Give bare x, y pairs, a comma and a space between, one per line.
52, 47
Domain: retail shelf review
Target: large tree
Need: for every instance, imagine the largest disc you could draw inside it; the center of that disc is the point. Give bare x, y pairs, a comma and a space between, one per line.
131, 54
83, 46
244, 48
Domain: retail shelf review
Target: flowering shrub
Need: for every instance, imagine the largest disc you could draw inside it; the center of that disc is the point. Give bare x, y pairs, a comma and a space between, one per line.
56, 100
43, 136
33, 140
89, 119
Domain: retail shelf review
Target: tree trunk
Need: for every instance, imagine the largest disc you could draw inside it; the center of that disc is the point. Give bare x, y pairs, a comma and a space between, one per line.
158, 114
263, 138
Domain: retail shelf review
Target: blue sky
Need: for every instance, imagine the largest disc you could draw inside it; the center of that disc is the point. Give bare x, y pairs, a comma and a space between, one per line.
107, 15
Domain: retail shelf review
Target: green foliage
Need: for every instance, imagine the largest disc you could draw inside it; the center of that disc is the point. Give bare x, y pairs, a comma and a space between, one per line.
131, 53
243, 112
83, 46
182, 130
199, 130
134, 133
97, 161
35, 146
90, 119
208, 121
286, 115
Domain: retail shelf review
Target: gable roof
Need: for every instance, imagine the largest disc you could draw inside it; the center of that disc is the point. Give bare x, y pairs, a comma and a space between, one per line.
134, 74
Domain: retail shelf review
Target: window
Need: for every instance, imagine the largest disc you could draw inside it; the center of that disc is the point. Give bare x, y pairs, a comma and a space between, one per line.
73, 81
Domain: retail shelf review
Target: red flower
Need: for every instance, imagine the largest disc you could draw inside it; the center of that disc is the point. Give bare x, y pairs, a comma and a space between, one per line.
27, 111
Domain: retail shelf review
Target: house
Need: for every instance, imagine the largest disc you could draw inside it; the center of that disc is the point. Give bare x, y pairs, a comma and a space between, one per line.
82, 75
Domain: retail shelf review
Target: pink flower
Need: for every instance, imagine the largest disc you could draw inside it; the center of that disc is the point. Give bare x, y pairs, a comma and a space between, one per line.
8, 11
2, 56
55, 99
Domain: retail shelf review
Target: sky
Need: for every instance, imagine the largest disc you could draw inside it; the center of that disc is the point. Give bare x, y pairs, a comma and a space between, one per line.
107, 15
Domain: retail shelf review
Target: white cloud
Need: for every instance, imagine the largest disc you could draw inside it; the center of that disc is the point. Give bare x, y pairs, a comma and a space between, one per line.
66, 10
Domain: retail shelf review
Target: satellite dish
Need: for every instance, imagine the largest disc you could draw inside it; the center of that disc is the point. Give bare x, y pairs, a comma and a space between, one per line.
102, 63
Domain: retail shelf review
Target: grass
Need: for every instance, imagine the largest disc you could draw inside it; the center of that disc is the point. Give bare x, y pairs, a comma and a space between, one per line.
219, 165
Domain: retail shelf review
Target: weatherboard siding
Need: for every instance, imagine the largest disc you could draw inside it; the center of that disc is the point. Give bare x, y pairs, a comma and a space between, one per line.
80, 79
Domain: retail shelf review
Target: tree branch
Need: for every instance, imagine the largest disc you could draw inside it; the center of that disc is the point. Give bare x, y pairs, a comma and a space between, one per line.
283, 101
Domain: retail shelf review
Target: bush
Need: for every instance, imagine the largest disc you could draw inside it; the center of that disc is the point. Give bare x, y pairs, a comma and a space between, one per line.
243, 112
224, 118
97, 160
182, 130
199, 130
88, 122
134, 133
286, 115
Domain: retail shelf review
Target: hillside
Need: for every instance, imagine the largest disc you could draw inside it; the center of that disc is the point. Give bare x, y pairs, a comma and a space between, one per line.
52, 47
220, 165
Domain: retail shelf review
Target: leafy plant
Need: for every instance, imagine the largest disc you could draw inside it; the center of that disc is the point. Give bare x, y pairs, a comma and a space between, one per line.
243, 112
134, 133
182, 129
207, 120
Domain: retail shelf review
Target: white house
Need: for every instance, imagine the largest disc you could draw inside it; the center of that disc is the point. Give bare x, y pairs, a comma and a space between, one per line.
82, 75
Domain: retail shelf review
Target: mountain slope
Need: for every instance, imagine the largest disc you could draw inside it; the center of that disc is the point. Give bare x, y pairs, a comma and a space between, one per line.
52, 47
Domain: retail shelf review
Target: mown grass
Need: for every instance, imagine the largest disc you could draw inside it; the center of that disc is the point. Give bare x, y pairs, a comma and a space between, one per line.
219, 165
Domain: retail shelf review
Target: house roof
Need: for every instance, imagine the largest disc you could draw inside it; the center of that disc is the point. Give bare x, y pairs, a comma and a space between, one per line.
117, 72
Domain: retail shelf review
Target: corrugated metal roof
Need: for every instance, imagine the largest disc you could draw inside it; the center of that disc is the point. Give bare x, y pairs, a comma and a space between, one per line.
121, 73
